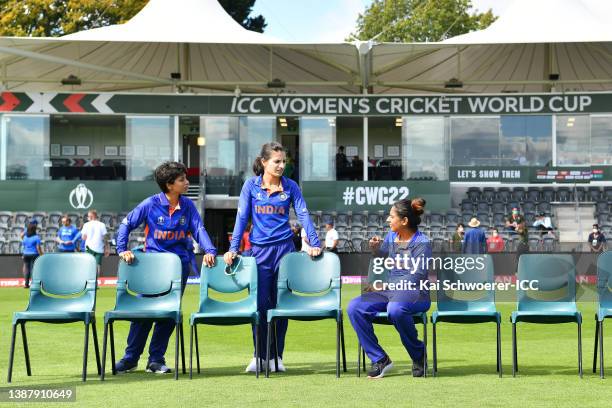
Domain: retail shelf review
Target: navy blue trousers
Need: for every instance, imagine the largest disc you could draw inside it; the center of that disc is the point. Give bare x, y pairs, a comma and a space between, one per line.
268, 260
139, 332
363, 309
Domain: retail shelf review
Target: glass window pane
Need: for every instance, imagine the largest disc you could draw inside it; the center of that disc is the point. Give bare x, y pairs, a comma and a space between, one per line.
425, 148
475, 141
573, 141
254, 132
25, 147
601, 139
317, 149
221, 154
526, 140
150, 141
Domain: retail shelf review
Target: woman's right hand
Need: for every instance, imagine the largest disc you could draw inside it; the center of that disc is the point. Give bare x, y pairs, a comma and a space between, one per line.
375, 242
228, 257
127, 256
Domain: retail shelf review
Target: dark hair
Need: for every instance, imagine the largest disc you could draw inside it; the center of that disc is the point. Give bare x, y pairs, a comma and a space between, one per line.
596, 226
167, 173
411, 209
459, 225
265, 154
31, 230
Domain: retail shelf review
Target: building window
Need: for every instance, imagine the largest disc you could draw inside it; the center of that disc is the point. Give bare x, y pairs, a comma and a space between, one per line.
24, 147
317, 148
573, 140
425, 149
526, 140
149, 141
601, 140
475, 141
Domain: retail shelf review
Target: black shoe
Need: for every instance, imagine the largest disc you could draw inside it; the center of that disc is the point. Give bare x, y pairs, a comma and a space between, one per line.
379, 369
157, 368
418, 368
124, 366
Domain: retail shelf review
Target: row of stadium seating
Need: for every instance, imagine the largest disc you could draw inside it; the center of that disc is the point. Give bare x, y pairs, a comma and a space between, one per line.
53, 218
547, 194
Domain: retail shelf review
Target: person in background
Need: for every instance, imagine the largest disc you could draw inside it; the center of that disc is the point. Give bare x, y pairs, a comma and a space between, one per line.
523, 235
495, 243
95, 236
331, 237
457, 238
513, 220
305, 241
31, 250
543, 223
475, 241
341, 160
297, 238
597, 239
245, 243
67, 236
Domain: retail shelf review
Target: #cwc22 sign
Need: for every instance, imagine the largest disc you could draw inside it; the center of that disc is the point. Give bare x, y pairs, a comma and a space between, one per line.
346, 196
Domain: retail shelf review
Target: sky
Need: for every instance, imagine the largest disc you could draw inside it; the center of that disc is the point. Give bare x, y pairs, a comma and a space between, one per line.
327, 20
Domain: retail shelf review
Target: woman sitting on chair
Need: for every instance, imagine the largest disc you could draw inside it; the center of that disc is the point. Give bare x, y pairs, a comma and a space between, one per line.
404, 239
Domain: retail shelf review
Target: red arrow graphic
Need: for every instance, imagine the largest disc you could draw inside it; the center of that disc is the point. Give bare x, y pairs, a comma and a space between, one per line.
10, 101
72, 103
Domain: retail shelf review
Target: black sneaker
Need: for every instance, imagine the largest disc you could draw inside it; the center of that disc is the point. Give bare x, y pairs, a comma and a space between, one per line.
157, 368
124, 366
418, 368
379, 369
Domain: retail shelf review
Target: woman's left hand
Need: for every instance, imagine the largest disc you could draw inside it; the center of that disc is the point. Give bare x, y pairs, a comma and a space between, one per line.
314, 251
209, 260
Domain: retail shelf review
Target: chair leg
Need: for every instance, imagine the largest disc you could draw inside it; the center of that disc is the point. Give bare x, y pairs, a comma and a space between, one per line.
257, 353
197, 345
358, 359
363, 358
85, 350
342, 341
11, 354
182, 345
435, 350
176, 349
191, 351
94, 333
26, 351
580, 349
601, 350
104, 337
275, 345
112, 347
499, 358
338, 349
425, 355
595, 348
514, 351
268, 340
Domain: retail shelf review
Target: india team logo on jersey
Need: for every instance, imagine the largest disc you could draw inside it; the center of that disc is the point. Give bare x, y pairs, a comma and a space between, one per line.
182, 221
269, 209
168, 235
160, 220
282, 196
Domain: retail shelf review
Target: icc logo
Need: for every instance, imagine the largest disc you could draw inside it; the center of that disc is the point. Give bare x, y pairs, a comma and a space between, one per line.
81, 197
282, 196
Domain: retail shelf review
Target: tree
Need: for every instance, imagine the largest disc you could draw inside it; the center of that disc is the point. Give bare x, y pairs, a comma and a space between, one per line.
418, 20
48, 18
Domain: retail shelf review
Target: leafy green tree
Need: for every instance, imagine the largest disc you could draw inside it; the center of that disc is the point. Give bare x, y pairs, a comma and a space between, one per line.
418, 20
47, 18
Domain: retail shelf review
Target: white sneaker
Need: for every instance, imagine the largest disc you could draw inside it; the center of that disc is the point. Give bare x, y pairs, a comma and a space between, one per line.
280, 367
252, 367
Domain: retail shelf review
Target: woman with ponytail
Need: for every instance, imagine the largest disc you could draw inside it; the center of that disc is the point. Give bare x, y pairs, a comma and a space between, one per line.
403, 296
265, 200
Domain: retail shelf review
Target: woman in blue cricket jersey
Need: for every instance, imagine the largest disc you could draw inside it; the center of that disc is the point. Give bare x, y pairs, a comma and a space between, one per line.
171, 220
265, 200
405, 240
31, 250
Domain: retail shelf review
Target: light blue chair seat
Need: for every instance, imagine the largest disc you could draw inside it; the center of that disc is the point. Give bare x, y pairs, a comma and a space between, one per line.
604, 310
148, 290
226, 281
63, 290
603, 313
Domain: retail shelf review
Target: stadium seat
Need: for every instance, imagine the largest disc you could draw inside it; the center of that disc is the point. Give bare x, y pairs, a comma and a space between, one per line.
553, 302
488, 194
54, 219
342, 220
75, 219
604, 310
242, 275
473, 194
14, 247
6, 218
467, 206
518, 194
602, 207
482, 206
107, 219
475, 310
564, 194
21, 219
319, 279
503, 194
529, 206
594, 194
498, 207
548, 194
148, 289
41, 218
63, 290
452, 217
382, 318
374, 220
358, 220
436, 220
533, 194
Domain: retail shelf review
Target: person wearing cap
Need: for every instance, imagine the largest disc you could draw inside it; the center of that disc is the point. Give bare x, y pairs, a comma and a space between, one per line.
331, 237
543, 223
514, 219
597, 240
475, 240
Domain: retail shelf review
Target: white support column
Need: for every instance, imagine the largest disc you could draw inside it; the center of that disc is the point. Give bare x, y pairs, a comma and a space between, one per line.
176, 138
554, 140
3, 146
365, 148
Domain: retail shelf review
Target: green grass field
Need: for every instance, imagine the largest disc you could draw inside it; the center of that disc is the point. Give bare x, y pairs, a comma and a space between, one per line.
466, 354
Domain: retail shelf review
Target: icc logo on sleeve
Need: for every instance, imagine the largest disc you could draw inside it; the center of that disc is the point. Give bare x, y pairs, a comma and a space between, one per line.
160, 220
81, 197
282, 196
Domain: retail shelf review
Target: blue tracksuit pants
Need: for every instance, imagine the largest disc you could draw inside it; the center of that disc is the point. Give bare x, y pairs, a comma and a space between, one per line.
139, 332
268, 260
362, 311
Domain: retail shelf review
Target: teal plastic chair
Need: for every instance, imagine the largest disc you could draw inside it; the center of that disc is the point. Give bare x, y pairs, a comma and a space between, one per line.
604, 311
308, 289
553, 302
467, 307
148, 289
221, 278
383, 318
63, 290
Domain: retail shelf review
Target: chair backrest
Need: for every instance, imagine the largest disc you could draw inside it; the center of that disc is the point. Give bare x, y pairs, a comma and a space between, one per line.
240, 276
472, 298
151, 282
555, 277
63, 282
318, 277
604, 279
